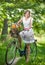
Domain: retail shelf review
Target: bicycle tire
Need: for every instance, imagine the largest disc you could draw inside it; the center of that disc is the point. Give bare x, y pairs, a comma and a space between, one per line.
11, 48
33, 51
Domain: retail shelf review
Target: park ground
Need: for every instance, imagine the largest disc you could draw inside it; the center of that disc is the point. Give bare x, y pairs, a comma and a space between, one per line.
40, 60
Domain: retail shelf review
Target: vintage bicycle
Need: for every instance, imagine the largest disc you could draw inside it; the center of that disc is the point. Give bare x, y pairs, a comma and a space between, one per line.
13, 50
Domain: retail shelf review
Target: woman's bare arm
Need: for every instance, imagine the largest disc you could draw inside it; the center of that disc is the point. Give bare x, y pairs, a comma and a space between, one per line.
19, 21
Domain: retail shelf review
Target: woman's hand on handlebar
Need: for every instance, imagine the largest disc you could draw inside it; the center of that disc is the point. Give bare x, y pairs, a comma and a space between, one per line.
18, 25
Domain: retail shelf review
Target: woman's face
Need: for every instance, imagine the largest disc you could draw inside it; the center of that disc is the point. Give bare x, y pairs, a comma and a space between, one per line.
27, 14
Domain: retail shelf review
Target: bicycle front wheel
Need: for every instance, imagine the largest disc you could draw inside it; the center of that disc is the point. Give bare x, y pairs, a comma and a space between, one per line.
10, 53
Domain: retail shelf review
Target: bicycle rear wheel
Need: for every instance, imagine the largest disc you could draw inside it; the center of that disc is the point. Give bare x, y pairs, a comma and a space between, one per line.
33, 51
10, 53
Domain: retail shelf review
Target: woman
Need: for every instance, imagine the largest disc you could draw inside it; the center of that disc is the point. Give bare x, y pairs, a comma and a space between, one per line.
27, 34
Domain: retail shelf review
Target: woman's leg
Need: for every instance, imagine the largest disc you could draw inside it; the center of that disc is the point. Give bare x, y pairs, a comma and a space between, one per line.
27, 52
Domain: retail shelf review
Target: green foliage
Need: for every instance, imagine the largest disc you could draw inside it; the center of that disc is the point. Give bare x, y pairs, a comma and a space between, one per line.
13, 11
43, 26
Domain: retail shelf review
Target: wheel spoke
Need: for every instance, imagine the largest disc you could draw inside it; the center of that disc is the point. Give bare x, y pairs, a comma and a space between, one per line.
33, 51
10, 53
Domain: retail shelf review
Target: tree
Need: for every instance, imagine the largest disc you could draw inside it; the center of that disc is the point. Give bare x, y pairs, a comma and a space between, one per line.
13, 10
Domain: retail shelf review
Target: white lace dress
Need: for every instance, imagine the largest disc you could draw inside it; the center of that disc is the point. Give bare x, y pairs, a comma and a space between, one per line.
27, 35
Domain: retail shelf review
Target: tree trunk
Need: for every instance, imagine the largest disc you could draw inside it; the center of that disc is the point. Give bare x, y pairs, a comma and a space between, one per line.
5, 29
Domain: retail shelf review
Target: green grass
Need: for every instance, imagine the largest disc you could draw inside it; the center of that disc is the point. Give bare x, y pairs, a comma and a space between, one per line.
3, 46
40, 60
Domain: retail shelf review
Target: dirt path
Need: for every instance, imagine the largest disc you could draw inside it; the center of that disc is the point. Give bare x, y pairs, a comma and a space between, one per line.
16, 60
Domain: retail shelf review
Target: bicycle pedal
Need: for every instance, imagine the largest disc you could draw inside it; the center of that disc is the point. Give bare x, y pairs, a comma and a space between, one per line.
22, 53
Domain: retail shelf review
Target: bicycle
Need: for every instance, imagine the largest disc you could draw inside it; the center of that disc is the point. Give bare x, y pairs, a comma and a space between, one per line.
14, 51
